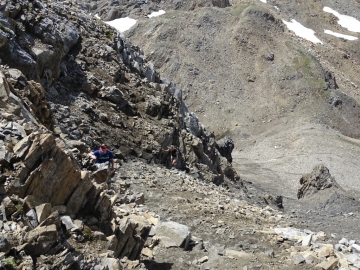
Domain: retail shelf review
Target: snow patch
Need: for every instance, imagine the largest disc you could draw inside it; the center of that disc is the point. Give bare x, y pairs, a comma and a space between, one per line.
264, 1
122, 24
350, 23
302, 31
157, 13
340, 35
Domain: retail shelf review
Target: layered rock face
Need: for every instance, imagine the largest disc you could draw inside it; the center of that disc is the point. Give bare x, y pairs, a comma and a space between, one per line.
319, 179
69, 83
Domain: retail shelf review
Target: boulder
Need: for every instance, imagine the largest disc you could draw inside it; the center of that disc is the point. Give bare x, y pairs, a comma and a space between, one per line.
221, 3
129, 237
101, 175
171, 234
153, 106
104, 205
5, 246
111, 263
54, 174
43, 211
225, 146
79, 195
69, 224
40, 240
315, 181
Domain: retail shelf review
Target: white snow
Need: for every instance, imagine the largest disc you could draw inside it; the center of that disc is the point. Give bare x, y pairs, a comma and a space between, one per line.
345, 21
340, 35
122, 24
264, 1
276, 8
302, 31
157, 13
97, 16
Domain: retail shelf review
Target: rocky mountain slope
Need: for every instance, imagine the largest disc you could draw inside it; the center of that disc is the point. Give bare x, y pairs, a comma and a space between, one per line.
246, 75
69, 82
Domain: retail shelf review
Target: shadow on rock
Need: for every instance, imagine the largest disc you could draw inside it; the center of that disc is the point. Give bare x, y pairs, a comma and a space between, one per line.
151, 265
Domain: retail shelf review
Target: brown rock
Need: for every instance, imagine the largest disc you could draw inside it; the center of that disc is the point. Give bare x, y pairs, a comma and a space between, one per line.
78, 196
40, 240
318, 179
43, 211
330, 264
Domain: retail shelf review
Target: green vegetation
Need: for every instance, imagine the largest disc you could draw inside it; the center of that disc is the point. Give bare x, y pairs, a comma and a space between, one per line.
108, 34
10, 261
100, 22
20, 209
3, 28
315, 83
305, 64
88, 235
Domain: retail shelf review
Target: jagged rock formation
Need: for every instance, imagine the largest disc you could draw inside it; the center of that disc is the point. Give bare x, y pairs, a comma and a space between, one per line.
69, 83
319, 179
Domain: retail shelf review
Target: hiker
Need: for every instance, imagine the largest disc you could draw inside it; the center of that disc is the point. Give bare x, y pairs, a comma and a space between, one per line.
174, 154
102, 156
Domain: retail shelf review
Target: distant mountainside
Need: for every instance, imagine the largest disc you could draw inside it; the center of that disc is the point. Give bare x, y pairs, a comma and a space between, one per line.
247, 75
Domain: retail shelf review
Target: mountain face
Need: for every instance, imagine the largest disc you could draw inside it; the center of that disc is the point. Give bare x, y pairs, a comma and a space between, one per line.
224, 82
287, 103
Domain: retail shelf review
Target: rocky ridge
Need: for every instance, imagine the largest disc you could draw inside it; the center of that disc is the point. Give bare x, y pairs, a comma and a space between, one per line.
69, 83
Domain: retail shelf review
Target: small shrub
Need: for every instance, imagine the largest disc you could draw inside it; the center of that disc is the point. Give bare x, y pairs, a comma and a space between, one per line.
20, 209
108, 34
10, 261
88, 234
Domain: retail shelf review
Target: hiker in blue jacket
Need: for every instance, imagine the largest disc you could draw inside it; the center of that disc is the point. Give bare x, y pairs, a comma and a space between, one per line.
103, 155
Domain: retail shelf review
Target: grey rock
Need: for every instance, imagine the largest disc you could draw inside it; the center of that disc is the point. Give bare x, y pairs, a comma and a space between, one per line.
111, 264
353, 258
67, 221
5, 246
225, 147
32, 217
340, 247
172, 234
40, 240
318, 179
297, 259
221, 3
344, 241
43, 211
356, 247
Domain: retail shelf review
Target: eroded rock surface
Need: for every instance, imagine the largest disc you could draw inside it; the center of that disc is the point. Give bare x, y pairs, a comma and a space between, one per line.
319, 179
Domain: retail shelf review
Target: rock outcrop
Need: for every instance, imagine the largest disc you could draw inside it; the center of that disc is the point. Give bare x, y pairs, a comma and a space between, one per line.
57, 105
319, 179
